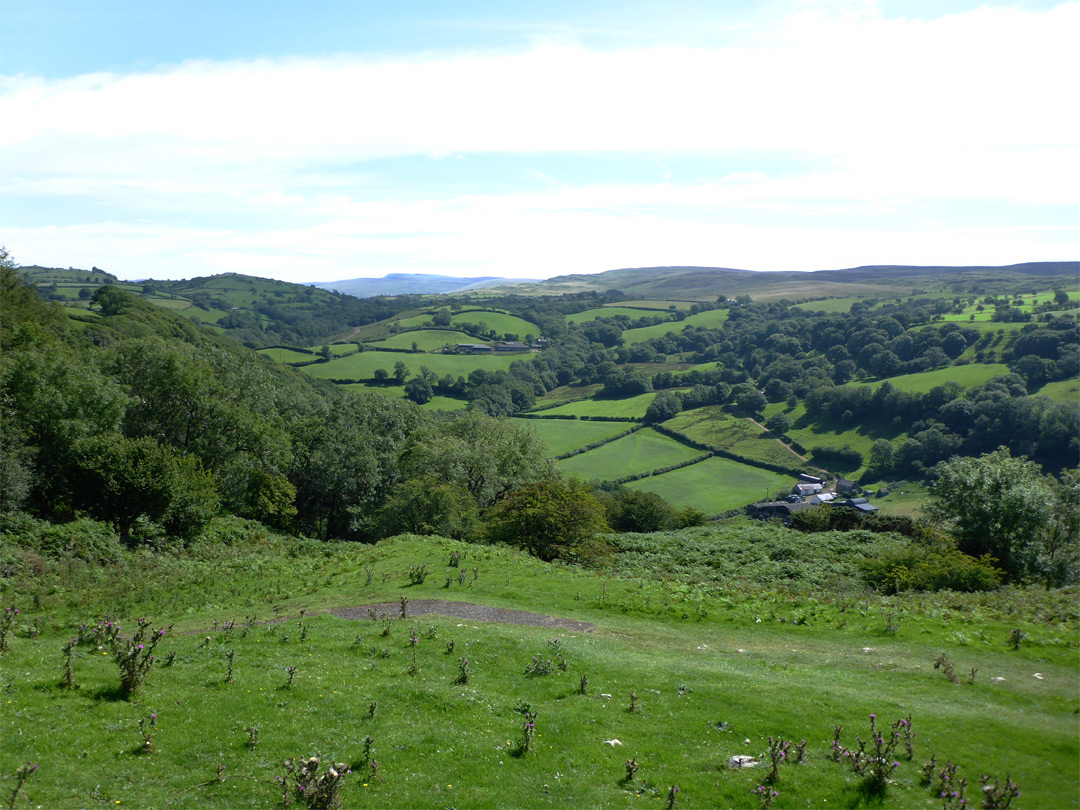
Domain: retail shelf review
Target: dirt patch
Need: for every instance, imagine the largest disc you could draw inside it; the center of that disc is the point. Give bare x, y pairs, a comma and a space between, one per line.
461, 610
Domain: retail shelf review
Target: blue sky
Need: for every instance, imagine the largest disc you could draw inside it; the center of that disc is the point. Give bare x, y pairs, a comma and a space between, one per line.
318, 141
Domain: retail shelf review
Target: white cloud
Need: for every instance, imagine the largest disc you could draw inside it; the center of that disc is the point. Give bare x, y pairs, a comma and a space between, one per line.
891, 115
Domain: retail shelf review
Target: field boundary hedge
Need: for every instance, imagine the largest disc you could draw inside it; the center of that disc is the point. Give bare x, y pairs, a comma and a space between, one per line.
600, 443
626, 479
724, 453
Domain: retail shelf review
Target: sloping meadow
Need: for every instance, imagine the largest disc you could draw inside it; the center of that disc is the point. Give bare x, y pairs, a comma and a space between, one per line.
707, 644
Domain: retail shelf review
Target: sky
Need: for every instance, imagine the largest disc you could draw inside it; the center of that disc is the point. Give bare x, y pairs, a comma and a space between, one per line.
320, 141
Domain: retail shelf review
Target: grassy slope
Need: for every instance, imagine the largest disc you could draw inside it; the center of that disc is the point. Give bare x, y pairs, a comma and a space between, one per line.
607, 312
968, 376
426, 339
712, 319
713, 426
1067, 391
634, 407
715, 485
563, 435
639, 452
760, 658
363, 365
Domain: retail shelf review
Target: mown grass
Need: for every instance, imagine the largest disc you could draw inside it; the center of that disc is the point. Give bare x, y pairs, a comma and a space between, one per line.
712, 319
563, 435
427, 340
968, 376
715, 485
631, 407
362, 366
640, 452
606, 312
715, 427
727, 636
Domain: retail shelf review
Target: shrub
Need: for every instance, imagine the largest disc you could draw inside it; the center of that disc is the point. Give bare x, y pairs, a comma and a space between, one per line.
921, 568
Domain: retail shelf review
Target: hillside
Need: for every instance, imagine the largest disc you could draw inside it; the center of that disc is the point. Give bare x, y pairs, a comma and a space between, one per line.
414, 284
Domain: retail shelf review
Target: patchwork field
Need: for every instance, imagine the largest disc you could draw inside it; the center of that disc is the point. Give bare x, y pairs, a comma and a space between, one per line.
968, 376
640, 452
605, 312
426, 340
362, 366
279, 355
563, 435
715, 485
712, 319
713, 426
631, 407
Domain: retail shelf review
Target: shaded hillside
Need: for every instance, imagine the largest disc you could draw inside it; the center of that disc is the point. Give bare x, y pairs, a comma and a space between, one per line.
414, 284
701, 283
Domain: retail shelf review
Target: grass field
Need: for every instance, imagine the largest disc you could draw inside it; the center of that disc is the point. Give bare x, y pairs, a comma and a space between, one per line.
427, 340
724, 638
362, 366
499, 321
829, 305
712, 319
713, 426
968, 376
632, 407
715, 485
1066, 391
566, 393
640, 452
823, 432
653, 304
606, 312
564, 435
287, 355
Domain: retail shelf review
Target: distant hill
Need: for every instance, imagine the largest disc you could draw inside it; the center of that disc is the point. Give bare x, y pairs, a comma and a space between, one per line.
702, 283
415, 284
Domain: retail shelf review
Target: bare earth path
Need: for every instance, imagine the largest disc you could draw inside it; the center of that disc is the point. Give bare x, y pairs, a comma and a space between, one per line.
462, 610
756, 422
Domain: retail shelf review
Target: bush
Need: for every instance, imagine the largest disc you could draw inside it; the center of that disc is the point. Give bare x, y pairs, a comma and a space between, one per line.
845, 457
922, 568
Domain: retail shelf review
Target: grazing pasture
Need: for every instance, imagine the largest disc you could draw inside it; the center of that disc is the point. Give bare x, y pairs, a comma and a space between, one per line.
631, 407
640, 452
563, 435
715, 485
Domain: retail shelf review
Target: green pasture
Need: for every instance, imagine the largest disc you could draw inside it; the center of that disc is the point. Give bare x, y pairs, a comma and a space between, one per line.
712, 319
427, 340
362, 366
279, 355
567, 393
823, 432
437, 403
1066, 391
653, 304
715, 427
968, 376
631, 407
829, 305
499, 321
563, 435
715, 485
702, 644
640, 452
606, 312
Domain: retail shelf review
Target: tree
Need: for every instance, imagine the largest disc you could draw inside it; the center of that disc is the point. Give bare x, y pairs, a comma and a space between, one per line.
429, 505
631, 510
381, 375
418, 390
752, 402
550, 519
779, 423
994, 504
664, 406
441, 317
881, 455
401, 371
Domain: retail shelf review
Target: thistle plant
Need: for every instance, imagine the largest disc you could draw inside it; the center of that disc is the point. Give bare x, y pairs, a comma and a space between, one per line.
253, 736
463, 671
387, 625
146, 729
135, 656
450, 647
462, 576
943, 663
290, 672
837, 749
7, 621
672, 796
455, 559
414, 668
583, 685
1015, 637
69, 671
404, 606
449, 582
372, 708
997, 795
766, 794
528, 731
319, 791
369, 744
633, 708
229, 675
21, 775
431, 633
369, 571
417, 574
778, 751
631, 769
907, 735
877, 764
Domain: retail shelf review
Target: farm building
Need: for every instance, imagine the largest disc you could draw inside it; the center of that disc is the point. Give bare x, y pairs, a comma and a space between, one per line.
473, 348
764, 510
861, 504
806, 490
845, 487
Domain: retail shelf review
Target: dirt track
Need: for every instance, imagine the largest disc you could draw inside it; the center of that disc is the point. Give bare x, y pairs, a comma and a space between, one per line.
462, 610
